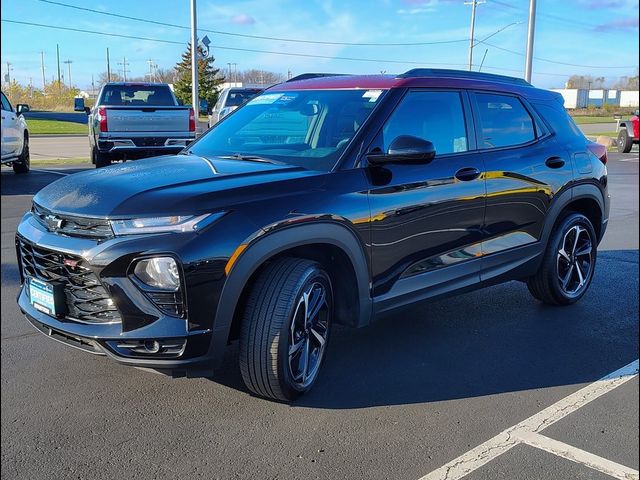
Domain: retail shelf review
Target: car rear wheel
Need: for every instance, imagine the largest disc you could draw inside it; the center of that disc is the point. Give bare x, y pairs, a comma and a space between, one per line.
568, 264
285, 328
625, 142
23, 164
99, 159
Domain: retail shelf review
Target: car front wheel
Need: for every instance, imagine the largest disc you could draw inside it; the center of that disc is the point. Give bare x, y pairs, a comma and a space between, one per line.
285, 328
568, 264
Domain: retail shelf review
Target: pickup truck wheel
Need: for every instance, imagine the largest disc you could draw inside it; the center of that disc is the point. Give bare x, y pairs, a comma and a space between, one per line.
23, 164
568, 264
285, 328
625, 142
99, 159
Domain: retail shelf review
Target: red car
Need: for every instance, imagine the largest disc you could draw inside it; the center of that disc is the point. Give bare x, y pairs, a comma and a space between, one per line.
628, 134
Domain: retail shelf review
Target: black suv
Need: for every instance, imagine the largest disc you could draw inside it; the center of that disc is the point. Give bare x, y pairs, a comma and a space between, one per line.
328, 200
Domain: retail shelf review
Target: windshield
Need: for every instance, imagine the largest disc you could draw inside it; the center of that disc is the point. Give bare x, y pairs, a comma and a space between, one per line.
309, 128
156, 95
238, 97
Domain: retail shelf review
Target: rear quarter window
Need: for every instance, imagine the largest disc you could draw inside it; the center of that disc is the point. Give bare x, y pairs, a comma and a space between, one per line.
504, 121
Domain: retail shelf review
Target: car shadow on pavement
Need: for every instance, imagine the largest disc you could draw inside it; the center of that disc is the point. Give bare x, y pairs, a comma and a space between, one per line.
487, 342
30, 183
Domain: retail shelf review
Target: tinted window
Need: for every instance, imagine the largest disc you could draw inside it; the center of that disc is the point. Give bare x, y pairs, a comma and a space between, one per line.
434, 116
6, 106
238, 97
128, 95
504, 121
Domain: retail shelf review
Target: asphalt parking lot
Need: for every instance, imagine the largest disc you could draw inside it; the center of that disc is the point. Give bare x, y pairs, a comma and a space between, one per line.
485, 385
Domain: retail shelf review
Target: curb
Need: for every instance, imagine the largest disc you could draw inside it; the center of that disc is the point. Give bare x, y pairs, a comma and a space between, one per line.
59, 135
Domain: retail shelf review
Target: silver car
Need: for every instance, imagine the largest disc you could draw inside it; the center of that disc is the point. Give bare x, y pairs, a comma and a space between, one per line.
229, 100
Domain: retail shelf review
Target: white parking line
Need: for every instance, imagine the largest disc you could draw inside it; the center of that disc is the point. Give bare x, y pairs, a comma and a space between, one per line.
41, 170
512, 436
577, 455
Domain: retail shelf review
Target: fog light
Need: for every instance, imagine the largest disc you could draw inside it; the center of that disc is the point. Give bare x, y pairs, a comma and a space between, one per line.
152, 346
158, 272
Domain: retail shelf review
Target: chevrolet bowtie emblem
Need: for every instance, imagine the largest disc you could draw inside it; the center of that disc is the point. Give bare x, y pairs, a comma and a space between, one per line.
53, 222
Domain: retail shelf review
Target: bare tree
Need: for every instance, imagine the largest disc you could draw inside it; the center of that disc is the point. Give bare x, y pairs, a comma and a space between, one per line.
259, 77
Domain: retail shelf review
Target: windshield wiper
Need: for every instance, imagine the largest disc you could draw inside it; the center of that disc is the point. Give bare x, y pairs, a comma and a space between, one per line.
251, 158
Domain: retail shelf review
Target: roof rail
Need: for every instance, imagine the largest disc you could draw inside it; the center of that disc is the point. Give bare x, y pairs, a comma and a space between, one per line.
307, 76
443, 72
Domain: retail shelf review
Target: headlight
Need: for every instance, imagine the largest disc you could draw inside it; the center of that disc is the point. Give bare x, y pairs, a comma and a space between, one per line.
175, 224
159, 272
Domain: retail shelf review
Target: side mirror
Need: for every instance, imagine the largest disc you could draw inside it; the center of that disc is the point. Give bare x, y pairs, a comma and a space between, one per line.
405, 149
87, 110
78, 104
22, 108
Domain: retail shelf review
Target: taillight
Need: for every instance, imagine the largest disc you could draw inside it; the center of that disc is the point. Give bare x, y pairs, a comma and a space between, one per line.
102, 119
599, 151
192, 120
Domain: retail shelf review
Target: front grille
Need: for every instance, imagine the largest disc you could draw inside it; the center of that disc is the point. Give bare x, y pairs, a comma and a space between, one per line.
86, 298
72, 226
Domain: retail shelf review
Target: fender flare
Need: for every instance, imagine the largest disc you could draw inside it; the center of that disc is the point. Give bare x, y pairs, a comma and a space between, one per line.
265, 247
577, 192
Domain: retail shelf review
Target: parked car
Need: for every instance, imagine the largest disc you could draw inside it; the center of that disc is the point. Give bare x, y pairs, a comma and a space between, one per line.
15, 136
137, 120
628, 133
230, 99
326, 201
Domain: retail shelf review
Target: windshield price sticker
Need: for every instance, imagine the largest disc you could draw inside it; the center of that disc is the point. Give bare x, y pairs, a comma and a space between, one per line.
372, 95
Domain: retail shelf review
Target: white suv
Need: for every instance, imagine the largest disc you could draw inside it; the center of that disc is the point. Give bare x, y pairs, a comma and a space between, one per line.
15, 136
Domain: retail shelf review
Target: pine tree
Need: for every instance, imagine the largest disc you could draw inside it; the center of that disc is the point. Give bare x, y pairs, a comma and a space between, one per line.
208, 78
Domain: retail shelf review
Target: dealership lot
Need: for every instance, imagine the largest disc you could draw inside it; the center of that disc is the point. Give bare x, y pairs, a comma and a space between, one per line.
400, 399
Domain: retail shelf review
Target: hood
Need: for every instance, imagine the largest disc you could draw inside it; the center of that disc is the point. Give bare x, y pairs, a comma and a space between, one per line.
171, 185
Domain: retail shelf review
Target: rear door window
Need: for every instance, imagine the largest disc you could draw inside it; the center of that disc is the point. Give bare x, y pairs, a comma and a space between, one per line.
504, 121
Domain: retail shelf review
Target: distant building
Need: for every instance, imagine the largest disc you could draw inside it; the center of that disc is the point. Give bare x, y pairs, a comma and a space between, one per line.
582, 97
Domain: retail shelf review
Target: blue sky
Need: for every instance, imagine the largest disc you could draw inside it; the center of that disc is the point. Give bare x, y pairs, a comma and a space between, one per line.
596, 34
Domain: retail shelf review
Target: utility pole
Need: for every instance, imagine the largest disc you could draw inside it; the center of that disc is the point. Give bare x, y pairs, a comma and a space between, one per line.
474, 4
69, 62
44, 82
151, 75
530, 33
194, 60
124, 64
288, 74
58, 55
229, 67
8, 76
108, 66
235, 72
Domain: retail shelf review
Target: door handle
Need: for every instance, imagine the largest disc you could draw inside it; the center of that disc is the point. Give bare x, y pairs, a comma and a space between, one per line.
467, 173
554, 162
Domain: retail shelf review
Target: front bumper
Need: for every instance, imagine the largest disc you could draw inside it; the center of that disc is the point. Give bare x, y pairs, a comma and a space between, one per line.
142, 322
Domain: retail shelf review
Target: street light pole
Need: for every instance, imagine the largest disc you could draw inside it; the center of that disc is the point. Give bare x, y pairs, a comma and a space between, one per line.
474, 4
194, 60
530, 33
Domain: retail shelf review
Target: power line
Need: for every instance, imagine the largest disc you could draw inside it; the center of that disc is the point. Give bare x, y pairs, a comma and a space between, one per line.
236, 49
256, 37
553, 61
56, 27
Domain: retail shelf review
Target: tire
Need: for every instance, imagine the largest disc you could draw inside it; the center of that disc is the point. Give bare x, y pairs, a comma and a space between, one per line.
625, 142
275, 320
568, 265
23, 164
99, 159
